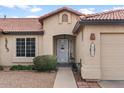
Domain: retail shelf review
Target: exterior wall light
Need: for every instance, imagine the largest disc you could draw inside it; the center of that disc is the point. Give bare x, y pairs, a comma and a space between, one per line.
92, 36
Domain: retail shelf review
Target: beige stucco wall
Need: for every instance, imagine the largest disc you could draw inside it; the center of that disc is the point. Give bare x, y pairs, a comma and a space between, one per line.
79, 47
91, 66
54, 26
9, 58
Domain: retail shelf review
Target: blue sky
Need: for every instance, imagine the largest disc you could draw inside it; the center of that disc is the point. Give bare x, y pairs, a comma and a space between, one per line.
28, 11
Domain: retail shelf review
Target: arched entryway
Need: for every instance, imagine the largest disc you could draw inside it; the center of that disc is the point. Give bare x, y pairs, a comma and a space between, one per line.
64, 48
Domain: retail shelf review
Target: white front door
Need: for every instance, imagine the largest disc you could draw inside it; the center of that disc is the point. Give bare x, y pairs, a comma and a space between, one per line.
62, 50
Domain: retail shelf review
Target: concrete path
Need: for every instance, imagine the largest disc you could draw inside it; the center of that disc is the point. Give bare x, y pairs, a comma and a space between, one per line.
112, 84
65, 78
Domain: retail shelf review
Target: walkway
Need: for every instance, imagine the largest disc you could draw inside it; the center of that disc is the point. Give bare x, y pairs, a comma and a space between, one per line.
65, 78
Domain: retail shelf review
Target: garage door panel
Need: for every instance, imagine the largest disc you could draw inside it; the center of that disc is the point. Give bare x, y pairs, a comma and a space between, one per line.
112, 56
113, 75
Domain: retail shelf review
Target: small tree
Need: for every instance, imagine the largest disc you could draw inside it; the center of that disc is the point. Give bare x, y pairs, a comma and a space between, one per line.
45, 63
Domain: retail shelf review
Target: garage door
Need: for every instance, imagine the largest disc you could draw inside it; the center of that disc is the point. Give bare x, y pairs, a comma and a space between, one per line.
112, 56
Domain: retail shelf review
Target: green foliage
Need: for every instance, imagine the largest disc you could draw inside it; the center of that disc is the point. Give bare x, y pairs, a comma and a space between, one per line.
21, 67
45, 63
1, 67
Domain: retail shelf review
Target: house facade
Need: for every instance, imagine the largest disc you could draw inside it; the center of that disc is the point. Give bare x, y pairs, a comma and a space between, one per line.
96, 41
100, 40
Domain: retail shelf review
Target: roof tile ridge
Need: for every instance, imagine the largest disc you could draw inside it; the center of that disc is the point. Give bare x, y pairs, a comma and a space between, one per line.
102, 13
60, 9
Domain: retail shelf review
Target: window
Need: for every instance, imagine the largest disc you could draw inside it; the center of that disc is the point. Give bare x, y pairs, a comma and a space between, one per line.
20, 47
30, 47
25, 47
64, 18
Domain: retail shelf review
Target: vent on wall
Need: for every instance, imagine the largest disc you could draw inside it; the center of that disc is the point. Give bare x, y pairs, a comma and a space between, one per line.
64, 18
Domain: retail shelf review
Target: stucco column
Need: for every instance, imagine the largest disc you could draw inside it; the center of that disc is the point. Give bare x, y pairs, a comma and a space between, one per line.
91, 64
47, 45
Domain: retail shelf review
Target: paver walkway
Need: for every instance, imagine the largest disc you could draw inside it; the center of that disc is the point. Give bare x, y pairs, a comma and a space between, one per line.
65, 78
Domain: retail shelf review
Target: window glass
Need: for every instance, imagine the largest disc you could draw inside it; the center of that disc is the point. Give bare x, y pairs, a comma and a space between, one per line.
30, 47
25, 47
20, 47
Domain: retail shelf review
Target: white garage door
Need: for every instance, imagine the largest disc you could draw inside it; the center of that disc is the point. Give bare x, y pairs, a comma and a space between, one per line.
112, 56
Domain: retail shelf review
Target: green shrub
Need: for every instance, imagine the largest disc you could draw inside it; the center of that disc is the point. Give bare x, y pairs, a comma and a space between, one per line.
1, 67
21, 67
45, 63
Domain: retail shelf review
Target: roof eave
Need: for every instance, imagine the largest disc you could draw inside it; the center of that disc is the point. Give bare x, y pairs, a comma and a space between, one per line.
103, 22
23, 33
76, 28
97, 22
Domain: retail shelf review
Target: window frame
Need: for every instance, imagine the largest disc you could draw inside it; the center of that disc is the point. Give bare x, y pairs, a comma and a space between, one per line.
25, 38
31, 47
20, 46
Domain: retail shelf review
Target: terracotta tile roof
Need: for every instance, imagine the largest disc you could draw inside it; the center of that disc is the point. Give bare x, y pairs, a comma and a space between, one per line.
20, 25
59, 10
110, 15
115, 17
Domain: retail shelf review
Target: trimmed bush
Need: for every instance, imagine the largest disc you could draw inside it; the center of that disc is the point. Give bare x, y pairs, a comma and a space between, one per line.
1, 67
21, 67
45, 63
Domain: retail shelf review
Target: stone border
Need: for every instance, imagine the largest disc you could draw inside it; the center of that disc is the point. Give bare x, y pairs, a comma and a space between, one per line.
81, 83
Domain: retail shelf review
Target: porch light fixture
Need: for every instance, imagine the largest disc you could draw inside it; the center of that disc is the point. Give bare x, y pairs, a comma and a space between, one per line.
92, 36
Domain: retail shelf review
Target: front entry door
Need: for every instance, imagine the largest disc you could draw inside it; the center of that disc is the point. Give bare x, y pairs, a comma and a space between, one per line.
62, 50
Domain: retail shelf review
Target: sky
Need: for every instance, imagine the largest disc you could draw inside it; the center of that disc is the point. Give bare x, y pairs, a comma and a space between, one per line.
32, 11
